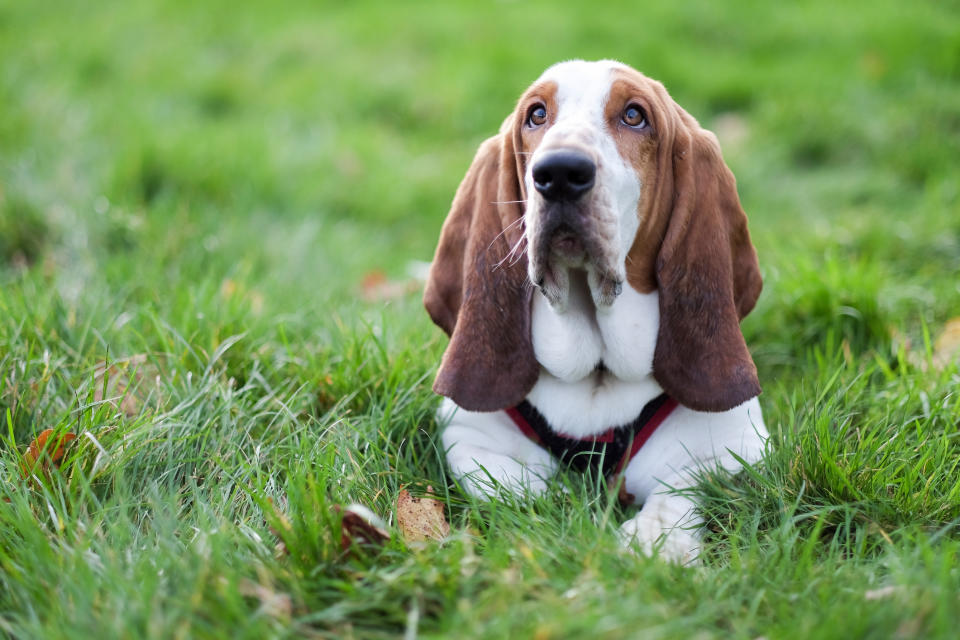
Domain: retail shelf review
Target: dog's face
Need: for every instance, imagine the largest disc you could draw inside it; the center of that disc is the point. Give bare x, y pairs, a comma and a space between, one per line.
586, 133
597, 169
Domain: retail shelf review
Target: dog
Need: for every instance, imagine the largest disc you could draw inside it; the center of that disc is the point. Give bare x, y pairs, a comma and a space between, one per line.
592, 274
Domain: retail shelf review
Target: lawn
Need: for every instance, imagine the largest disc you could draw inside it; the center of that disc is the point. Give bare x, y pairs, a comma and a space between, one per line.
209, 214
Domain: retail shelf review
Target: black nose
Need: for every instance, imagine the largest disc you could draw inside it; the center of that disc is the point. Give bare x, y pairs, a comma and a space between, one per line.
564, 175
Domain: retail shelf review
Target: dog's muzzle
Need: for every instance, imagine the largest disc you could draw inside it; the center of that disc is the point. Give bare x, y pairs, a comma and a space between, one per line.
568, 235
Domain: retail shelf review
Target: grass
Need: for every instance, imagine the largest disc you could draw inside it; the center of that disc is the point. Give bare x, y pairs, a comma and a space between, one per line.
192, 196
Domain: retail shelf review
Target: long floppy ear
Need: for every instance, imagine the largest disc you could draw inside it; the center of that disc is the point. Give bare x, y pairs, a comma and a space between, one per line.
708, 279
477, 290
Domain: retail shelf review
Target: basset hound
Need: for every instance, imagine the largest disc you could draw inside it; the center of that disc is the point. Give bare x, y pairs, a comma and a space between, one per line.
592, 274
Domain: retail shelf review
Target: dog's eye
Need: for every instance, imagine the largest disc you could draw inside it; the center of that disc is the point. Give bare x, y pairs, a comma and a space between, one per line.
634, 116
538, 115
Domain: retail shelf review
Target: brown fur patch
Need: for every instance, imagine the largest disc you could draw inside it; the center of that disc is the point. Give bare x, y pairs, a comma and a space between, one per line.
527, 138
478, 292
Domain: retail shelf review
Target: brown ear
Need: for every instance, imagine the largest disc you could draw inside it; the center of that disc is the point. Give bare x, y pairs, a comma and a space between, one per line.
478, 291
708, 279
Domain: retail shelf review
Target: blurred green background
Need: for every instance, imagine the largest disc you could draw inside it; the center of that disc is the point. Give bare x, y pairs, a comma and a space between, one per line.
312, 141
230, 195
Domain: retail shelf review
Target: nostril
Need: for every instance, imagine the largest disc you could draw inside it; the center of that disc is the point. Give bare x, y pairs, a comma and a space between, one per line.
542, 177
580, 178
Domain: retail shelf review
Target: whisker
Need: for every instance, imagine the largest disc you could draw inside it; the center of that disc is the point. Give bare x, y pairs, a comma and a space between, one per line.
500, 263
515, 252
512, 251
510, 254
523, 238
520, 253
497, 237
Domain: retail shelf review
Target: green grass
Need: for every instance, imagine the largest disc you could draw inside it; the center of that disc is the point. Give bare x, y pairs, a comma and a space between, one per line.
193, 193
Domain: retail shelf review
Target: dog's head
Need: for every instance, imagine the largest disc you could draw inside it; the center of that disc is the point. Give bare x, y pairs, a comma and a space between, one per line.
596, 169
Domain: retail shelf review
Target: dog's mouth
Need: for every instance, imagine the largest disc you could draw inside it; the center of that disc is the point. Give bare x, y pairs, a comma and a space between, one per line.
562, 247
567, 245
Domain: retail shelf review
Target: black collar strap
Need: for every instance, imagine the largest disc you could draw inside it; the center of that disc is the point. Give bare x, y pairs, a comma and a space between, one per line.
608, 452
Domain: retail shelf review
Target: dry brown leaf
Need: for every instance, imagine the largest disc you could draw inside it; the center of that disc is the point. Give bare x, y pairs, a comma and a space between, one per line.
946, 349
361, 526
373, 279
41, 453
421, 518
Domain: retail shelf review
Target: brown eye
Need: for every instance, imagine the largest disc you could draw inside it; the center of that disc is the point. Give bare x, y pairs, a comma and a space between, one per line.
634, 116
538, 115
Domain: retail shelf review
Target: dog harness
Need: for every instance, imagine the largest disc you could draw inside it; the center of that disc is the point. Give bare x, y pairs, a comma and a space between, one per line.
609, 452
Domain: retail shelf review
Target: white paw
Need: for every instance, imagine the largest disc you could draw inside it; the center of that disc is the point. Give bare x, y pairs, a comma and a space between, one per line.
650, 535
487, 475
485, 485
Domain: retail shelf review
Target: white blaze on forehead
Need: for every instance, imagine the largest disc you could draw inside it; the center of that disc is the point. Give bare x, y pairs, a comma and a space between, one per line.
582, 92
583, 89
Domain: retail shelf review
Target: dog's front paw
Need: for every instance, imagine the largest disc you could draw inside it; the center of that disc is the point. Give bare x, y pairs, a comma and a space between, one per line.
647, 533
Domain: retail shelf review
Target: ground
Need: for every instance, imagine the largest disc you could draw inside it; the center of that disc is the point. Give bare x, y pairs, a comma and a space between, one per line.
209, 213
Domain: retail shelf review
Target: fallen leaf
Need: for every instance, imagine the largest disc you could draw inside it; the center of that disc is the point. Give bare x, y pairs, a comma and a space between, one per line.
421, 519
946, 349
373, 279
360, 525
44, 452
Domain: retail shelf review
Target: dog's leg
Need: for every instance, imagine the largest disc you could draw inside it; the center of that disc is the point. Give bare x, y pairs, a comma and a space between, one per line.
688, 442
667, 523
487, 452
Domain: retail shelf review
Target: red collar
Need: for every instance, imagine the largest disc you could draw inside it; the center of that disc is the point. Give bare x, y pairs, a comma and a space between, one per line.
610, 451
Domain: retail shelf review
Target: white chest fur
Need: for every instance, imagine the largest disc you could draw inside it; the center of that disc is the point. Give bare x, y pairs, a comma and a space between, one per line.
577, 395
